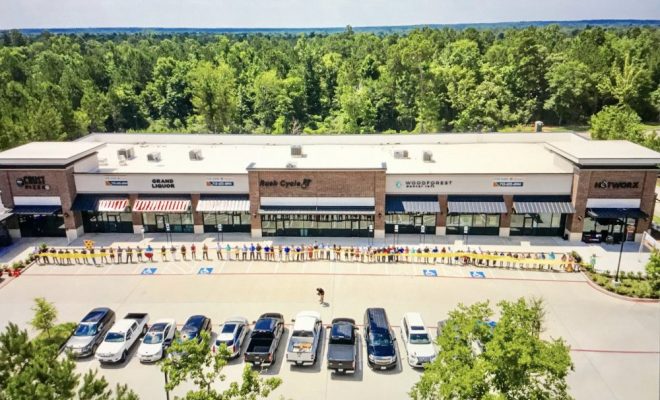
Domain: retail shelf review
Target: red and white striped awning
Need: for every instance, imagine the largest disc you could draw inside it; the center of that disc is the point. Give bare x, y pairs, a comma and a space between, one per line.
173, 206
112, 205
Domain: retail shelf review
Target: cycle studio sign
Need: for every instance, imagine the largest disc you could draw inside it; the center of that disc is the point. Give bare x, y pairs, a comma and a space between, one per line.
616, 185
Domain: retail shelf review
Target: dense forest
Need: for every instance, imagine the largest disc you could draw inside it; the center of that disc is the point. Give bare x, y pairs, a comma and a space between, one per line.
55, 87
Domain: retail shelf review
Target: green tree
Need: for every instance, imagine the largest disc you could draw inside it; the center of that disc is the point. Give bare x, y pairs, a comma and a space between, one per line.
627, 82
569, 84
509, 361
214, 94
31, 370
45, 315
197, 363
621, 122
653, 271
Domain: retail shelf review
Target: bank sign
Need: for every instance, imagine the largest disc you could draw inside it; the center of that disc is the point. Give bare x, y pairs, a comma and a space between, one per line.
287, 184
421, 183
616, 185
32, 182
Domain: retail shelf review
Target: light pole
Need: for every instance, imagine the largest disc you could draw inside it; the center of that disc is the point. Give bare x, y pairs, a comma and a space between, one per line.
371, 235
466, 233
396, 233
422, 230
623, 239
220, 231
167, 392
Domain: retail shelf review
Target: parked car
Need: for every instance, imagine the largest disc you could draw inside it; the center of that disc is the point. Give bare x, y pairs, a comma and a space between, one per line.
232, 334
417, 340
158, 338
342, 346
194, 326
305, 337
90, 332
121, 337
379, 339
264, 339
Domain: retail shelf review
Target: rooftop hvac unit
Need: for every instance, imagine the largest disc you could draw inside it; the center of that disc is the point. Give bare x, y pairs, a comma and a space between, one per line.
122, 160
290, 165
154, 156
428, 156
127, 152
401, 154
296, 151
103, 161
195, 154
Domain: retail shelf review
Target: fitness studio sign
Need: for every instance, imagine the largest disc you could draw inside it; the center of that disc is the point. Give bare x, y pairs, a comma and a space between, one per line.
616, 185
300, 184
32, 182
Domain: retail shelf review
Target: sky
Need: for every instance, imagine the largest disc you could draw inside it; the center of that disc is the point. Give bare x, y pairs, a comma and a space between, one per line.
307, 13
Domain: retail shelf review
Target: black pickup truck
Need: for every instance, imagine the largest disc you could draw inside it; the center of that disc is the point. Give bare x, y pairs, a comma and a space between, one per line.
342, 347
264, 339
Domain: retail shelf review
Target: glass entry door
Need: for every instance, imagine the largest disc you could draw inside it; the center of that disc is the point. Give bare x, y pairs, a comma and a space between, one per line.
530, 223
160, 222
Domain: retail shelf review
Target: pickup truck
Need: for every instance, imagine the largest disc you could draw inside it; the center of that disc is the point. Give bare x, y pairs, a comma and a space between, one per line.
264, 339
121, 337
304, 341
342, 346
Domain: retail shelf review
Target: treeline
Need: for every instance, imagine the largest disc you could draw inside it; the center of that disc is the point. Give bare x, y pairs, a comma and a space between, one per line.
56, 87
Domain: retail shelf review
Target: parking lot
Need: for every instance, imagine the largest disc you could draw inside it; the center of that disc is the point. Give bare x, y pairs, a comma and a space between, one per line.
614, 343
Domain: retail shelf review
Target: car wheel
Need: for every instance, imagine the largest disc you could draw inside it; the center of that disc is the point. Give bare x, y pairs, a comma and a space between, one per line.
144, 330
123, 357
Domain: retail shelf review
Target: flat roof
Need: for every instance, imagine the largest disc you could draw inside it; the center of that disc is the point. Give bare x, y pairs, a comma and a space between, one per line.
605, 152
48, 153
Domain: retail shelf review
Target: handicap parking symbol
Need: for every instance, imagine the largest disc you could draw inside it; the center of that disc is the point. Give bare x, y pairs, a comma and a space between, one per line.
205, 271
149, 271
430, 272
477, 274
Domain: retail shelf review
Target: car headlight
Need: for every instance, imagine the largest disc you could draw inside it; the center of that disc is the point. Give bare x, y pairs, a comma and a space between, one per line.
372, 358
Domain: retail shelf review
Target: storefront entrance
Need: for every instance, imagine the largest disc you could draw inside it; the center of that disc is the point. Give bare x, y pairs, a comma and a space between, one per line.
608, 230
179, 222
410, 223
102, 222
41, 225
230, 221
538, 224
316, 225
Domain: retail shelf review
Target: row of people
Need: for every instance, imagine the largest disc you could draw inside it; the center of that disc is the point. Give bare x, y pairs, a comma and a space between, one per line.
287, 253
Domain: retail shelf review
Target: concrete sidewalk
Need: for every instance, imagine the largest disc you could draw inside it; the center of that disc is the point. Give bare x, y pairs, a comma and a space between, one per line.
607, 256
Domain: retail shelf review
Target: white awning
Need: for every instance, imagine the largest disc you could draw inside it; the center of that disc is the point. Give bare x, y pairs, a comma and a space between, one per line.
112, 205
540, 207
235, 205
174, 206
477, 207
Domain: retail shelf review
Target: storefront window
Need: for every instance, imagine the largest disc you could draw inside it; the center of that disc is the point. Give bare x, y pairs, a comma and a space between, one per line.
316, 225
107, 222
604, 229
179, 222
478, 224
410, 223
231, 221
544, 224
41, 225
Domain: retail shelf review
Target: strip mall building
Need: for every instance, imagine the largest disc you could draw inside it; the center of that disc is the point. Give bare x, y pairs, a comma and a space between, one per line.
344, 185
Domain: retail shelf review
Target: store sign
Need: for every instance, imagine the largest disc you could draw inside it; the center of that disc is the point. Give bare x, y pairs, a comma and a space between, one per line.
217, 182
300, 184
421, 184
508, 182
115, 181
616, 185
158, 183
32, 182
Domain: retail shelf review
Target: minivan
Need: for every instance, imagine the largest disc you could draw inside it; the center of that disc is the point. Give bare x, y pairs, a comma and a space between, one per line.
90, 332
381, 351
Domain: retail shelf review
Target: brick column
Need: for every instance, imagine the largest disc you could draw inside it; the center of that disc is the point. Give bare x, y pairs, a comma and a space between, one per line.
579, 196
255, 218
505, 219
72, 219
441, 217
647, 204
198, 219
379, 197
137, 217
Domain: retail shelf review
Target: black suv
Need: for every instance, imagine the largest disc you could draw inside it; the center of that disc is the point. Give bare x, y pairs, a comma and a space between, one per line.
90, 332
194, 327
381, 351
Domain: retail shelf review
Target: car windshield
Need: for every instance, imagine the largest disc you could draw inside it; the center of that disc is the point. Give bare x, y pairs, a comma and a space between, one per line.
379, 339
187, 334
114, 337
228, 328
419, 338
153, 338
85, 330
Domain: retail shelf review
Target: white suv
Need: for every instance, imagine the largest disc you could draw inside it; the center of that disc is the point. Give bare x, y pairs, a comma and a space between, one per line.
417, 340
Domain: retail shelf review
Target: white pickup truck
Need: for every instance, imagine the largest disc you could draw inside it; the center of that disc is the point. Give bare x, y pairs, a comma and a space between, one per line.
121, 337
305, 338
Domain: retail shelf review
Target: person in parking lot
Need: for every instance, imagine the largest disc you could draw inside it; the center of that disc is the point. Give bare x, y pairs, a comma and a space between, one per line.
252, 249
183, 252
173, 252
321, 293
119, 258
267, 252
163, 253
92, 256
218, 251
286, 253
111, 253
258, 251
129, 255
138, 253
244, 251
104, 255
205, 252
193, 252
228, 249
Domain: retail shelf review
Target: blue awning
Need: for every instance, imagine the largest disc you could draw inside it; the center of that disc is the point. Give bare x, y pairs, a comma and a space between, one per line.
36, 210
85, 202
616, 213
412, 204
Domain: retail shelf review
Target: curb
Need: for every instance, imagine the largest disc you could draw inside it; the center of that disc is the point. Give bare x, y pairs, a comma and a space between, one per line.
618, 296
